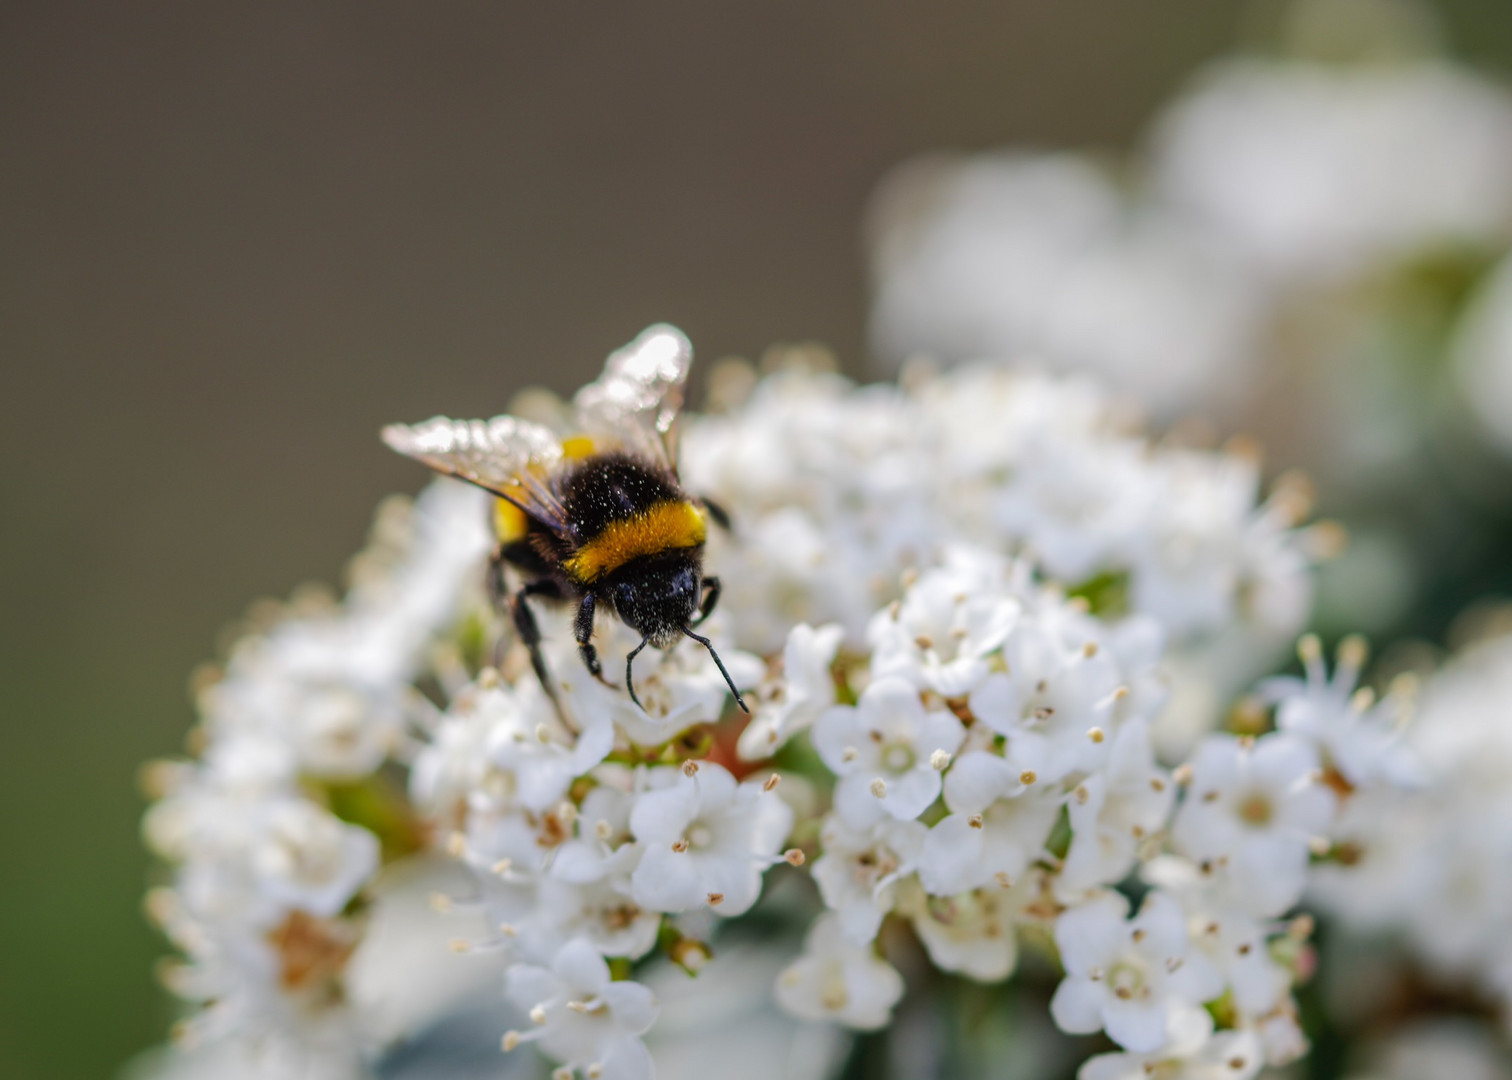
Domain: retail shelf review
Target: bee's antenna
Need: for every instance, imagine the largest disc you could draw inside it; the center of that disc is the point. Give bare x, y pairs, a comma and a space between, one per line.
629, 677
717, 663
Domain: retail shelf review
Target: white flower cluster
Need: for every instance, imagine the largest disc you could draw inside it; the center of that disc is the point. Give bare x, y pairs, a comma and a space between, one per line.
1281, 217
594, 834
268, 875
1437, 868
995, 775
1266, 179
837, 490
964, 746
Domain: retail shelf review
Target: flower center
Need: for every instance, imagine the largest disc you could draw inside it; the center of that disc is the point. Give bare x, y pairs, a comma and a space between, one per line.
872, 866
833, 995
1256, 810
1127, 980
700, 836
898, 757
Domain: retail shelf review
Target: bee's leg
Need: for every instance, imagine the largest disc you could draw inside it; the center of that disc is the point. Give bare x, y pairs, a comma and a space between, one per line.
583, 627
530, 634
717, 513
711, 597
498, 588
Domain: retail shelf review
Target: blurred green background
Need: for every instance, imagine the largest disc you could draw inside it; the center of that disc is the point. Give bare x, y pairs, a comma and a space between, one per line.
240, 237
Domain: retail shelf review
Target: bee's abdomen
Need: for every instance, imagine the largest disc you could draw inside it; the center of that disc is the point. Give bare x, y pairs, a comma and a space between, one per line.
602, 490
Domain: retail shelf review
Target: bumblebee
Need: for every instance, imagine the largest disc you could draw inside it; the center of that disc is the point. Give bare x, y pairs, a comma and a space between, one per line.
597, 519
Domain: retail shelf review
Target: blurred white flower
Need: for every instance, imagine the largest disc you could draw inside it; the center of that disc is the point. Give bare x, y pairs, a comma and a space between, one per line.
1040, 256
1128, 976
304, 858
1192, 1052
835, 980
1116, 812
859, 871
581, 1017
1312, 171
1256, 809
804, 691
973, 932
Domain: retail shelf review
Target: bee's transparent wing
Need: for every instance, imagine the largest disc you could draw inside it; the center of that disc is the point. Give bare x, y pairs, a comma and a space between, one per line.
636, 400
512, 458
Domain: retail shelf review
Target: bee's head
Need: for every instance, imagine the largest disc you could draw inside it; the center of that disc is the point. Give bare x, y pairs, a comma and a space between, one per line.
658, 596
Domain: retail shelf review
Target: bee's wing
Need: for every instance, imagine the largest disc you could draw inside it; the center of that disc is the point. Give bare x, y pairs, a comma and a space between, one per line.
510, 457
636, 400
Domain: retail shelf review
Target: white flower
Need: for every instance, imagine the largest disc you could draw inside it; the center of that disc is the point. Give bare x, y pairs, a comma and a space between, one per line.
974, 932
1190, 557
858, 873
678, 688
1014, 255
603, 845
835, 980
582, 1018
1128, 977
1314, 171
535, 749
1233, 941
1116, 811
1192, 1052
308, 859
1352, 733
884, 752
604, 913
998, 824
804, 691
1077, 502
707, 841
1056, 701
951, 619
1281, 1036
1256, 808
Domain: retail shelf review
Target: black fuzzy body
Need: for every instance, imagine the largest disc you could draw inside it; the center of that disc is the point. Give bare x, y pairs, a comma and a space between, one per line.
656, 595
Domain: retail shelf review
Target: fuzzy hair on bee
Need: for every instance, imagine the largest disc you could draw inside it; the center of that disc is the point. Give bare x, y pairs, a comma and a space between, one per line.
598, 518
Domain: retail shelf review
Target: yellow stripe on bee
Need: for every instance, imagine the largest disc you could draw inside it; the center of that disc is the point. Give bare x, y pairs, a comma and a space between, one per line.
577, 447
664, 527
510, 522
